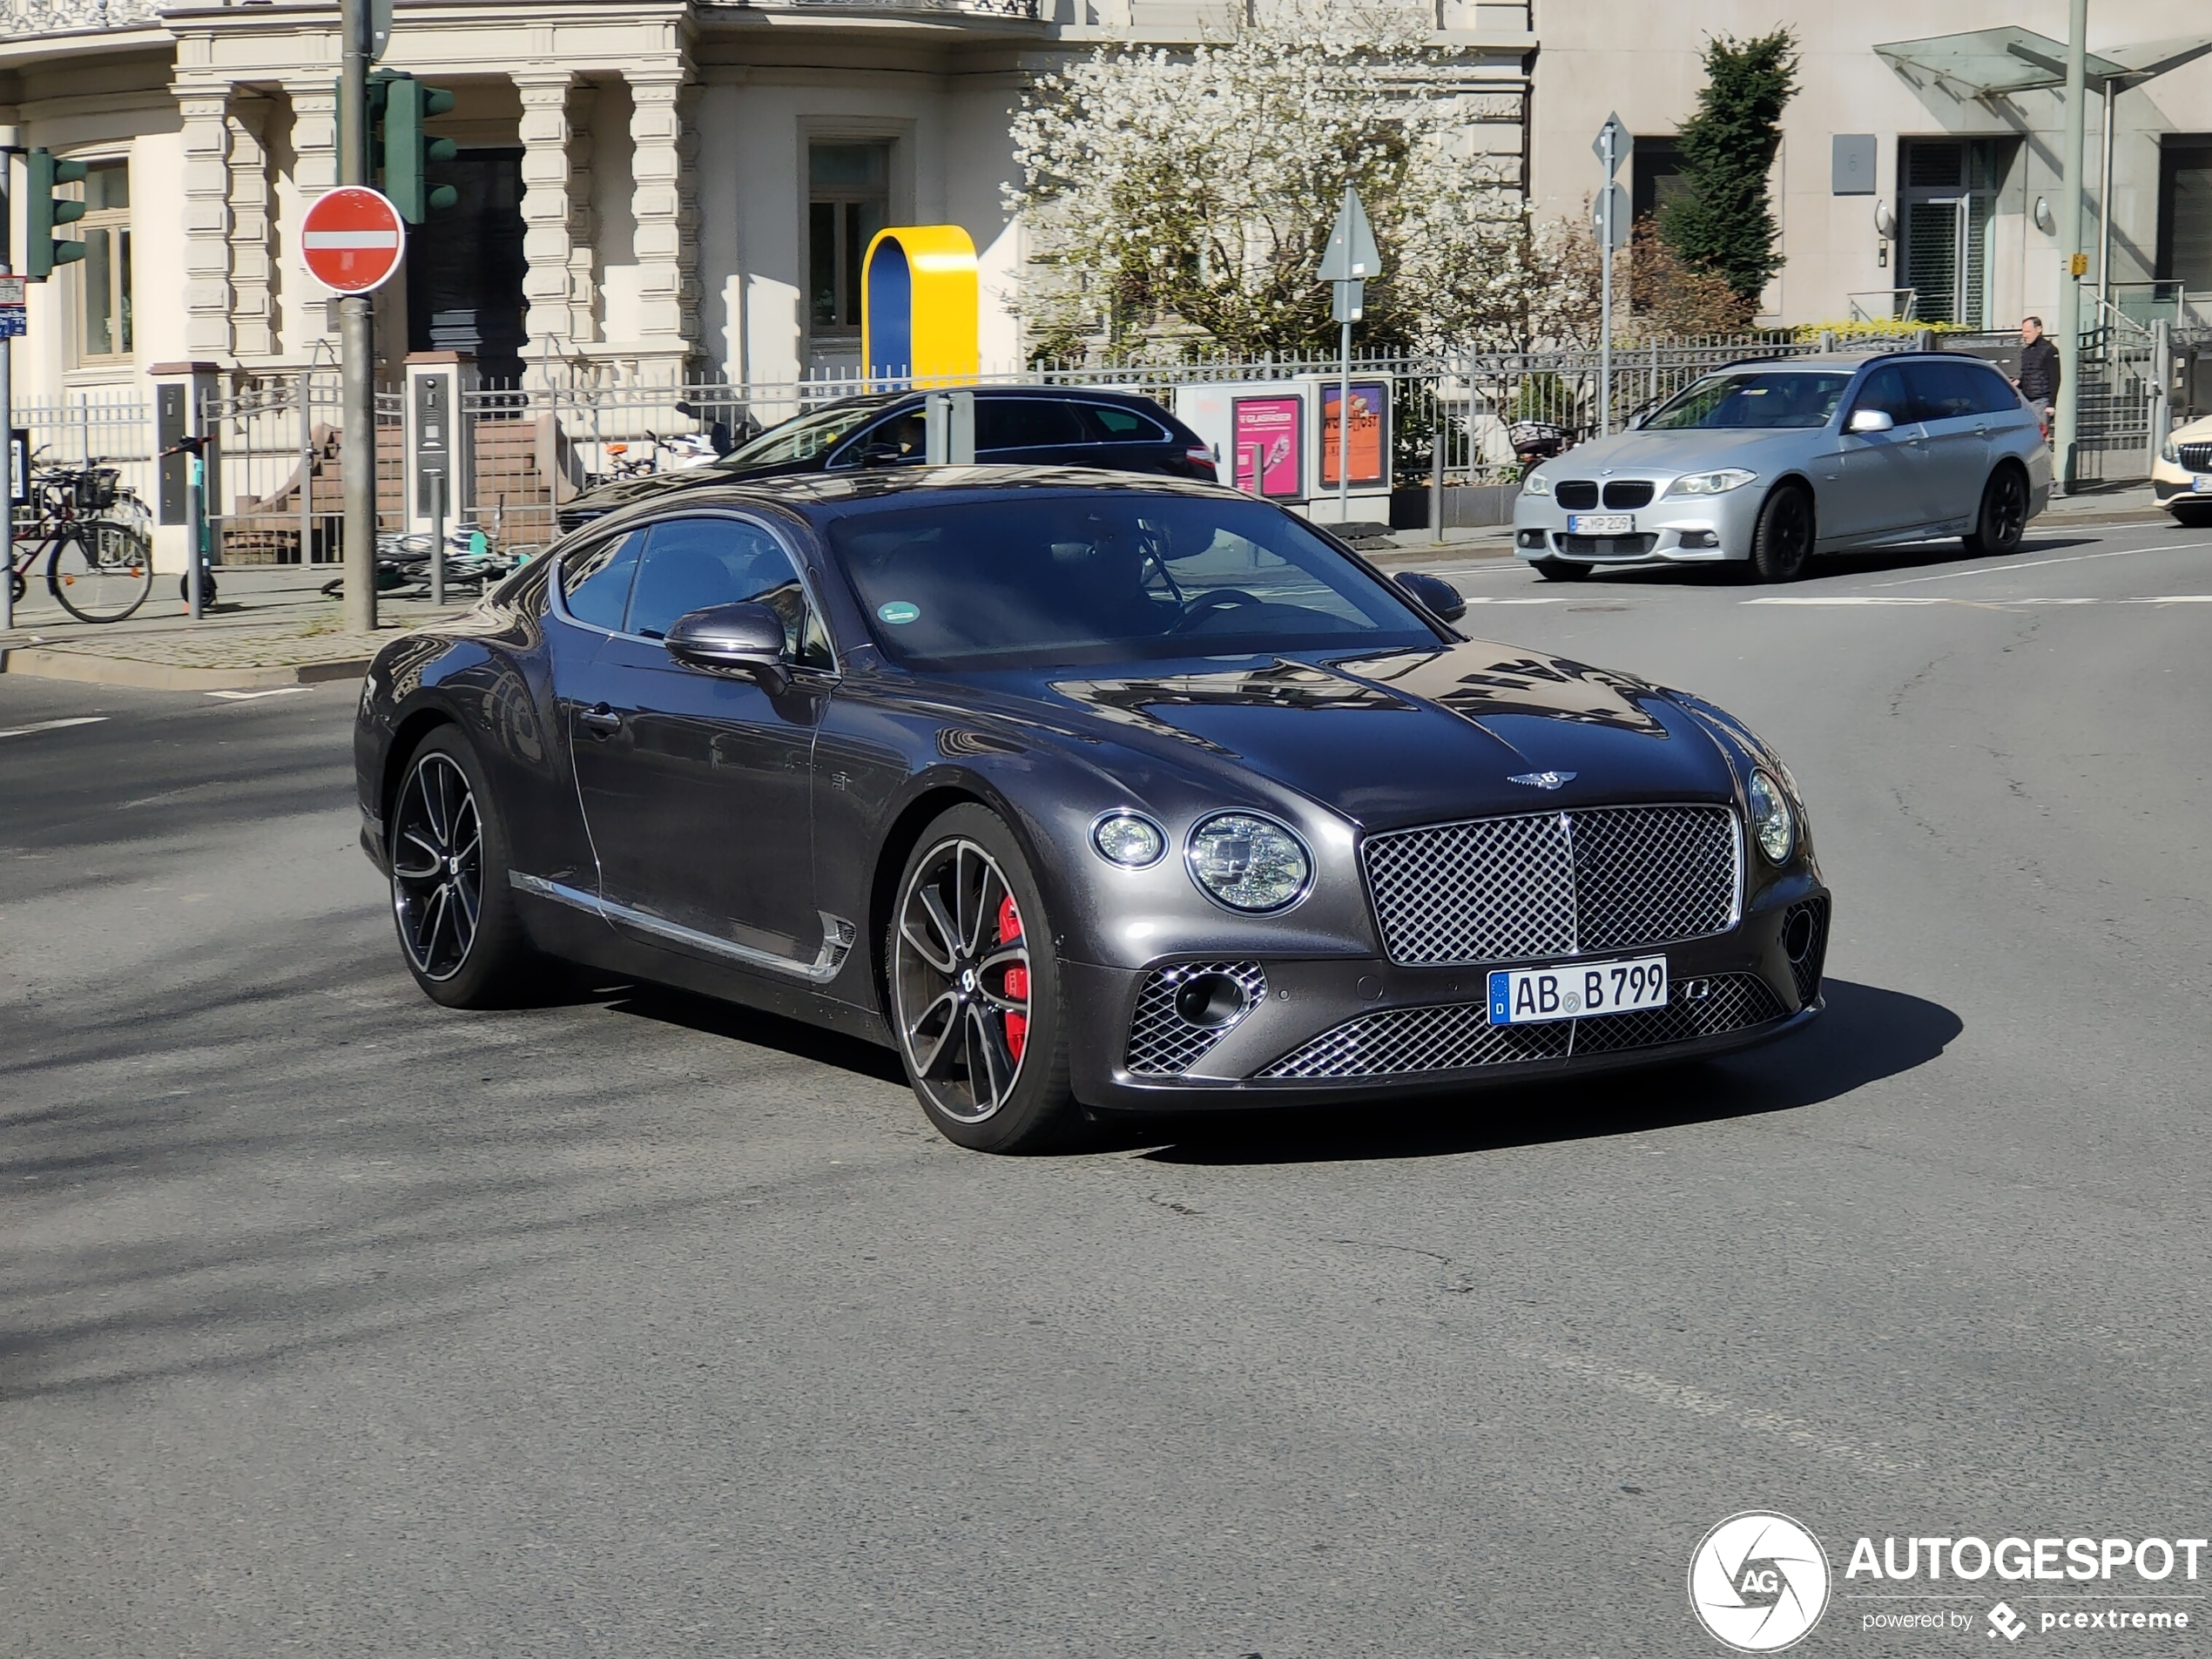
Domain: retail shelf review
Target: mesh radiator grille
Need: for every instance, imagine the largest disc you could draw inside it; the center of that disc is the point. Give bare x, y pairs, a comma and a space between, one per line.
1402, 1041
1557, 884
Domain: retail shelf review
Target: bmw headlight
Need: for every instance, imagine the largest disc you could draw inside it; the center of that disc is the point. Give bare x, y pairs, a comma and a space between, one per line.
1710, 483
1128, 839
1535, 484
1773, 824
1248, 862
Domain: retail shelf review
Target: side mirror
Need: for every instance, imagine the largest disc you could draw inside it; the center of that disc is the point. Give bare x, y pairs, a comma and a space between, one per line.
1434, 594
1870, 421
746, 639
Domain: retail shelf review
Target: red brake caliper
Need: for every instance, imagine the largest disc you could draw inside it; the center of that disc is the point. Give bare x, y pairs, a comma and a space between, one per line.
1017, 980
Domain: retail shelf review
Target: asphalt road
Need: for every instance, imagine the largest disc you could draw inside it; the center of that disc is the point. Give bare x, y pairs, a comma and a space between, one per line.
338, 1323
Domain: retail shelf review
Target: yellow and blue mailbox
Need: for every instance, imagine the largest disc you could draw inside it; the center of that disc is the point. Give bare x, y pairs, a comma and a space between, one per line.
919, 304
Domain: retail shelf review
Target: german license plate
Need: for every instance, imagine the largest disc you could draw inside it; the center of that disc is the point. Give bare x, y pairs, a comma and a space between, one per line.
1600, 524
1528, 995
2201, 484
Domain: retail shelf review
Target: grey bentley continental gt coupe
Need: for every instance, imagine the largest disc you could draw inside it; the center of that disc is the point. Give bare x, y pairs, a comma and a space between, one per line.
1083, 790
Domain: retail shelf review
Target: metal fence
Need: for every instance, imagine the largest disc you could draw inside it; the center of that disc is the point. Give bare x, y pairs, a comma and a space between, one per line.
111, 426
276, 464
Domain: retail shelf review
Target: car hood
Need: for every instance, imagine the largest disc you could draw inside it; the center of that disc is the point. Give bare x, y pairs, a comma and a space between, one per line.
1663, 454
1407, 737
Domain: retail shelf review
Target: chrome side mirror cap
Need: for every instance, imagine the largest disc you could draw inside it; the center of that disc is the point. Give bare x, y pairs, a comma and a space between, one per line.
1871, 421
744, 639
1435, 594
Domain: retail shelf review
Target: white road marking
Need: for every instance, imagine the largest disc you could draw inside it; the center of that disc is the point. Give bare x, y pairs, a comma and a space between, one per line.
53, 725
2033, 564
1981, 604
1484, 599
247, 696
1847, 599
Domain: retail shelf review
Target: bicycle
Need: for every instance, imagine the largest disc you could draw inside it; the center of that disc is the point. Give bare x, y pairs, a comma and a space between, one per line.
89, 530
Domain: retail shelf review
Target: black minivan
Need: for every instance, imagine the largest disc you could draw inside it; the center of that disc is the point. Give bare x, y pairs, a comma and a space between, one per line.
1014, 425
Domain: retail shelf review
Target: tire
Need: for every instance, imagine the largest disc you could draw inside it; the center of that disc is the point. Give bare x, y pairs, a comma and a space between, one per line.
1782, 545
447, 846
2195, 515
1561, 569
986, 1052
2003, 519
99, 572
207, 587
17, 586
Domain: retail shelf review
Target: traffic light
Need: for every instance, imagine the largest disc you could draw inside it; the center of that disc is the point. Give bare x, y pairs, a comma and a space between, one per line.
408, 151
42, 213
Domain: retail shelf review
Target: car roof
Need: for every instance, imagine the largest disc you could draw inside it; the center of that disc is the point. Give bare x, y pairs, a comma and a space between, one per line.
834, 494
1083, 393
1849, 361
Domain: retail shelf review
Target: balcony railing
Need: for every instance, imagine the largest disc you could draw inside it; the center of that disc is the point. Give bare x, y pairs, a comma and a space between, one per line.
1028, 9
22, 18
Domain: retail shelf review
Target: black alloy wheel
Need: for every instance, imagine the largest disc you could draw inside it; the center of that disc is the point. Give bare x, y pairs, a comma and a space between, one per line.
455, 912
975, 989
1561, 569
1782, 545
2003, 519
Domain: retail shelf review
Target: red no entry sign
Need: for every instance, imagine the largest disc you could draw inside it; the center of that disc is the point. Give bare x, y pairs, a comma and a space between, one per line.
352, 240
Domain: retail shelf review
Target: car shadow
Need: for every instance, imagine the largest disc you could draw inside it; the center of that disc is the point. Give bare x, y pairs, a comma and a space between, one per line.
1928, 555
666, 1005
1866, 1034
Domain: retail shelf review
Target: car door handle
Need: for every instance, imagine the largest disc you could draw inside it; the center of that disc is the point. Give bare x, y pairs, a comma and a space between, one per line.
599, 719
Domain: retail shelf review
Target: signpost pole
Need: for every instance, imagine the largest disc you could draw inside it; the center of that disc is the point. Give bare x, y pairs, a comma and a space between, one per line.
8, 386
1344, 428
1350, 260
1612, 148
2077, 86
357, 417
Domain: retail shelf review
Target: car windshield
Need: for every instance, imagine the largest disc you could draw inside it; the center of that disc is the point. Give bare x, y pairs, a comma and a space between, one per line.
803, 437
1753, 397
1033, 581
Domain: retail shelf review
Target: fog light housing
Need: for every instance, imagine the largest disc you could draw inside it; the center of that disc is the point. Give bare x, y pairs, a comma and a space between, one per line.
1128, 840
1529, 538
1700, 538
1210, 1002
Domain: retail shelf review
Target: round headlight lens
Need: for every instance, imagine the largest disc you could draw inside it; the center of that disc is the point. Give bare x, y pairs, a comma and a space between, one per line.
1772, 823
1248, 862
1128, 841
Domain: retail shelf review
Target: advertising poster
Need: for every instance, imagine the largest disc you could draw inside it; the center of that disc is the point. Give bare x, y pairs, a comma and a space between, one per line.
1370, 432
1266, 441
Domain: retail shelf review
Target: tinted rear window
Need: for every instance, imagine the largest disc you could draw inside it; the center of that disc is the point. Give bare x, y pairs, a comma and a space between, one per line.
1110, 423
1026, 423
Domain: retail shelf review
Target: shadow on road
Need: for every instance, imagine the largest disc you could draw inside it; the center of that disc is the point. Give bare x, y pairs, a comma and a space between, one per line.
1923, 556
1867, 1034
668, 1006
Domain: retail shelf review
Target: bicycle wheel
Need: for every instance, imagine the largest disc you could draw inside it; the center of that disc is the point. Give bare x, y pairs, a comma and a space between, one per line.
99, 571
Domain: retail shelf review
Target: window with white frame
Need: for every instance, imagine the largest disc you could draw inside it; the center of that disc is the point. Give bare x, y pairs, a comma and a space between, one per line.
848, 200
104, 323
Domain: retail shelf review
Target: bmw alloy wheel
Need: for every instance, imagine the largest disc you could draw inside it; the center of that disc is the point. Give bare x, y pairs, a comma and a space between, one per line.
437, 867
961, 979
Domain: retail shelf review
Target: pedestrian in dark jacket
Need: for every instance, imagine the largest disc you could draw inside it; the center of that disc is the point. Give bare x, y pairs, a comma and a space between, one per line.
2039, 376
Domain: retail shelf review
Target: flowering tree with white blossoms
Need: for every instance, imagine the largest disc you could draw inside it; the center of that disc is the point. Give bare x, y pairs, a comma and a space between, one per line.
1200, 187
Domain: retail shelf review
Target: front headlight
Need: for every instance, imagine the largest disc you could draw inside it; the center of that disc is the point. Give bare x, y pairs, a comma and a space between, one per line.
1248, 862
1773, 825
2169, 451
1535, 484
1710, 483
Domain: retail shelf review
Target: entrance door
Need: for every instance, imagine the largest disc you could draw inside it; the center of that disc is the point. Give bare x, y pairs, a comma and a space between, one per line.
464, 269
1949, 192
696, 785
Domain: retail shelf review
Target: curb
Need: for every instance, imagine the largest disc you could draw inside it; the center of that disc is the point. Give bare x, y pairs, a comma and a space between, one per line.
49, 663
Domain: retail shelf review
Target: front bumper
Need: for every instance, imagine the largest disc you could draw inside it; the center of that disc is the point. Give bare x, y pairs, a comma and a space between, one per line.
2170, 483
1677, 529
1354, 1028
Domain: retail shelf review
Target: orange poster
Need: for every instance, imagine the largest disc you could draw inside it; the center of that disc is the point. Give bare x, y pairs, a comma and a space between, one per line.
1370, 416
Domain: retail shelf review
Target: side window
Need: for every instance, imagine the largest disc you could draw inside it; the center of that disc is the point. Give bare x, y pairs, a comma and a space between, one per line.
692, 562
1940, 391
906, 435
1885, 390
596, 583
1110, 423
1993, 394
1025, 423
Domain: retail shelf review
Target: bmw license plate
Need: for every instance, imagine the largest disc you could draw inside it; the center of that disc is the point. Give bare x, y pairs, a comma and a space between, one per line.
1600, 524
1528, 996
2201, 484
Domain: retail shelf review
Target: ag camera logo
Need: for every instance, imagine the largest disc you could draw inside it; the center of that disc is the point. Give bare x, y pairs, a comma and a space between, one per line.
1758, 1583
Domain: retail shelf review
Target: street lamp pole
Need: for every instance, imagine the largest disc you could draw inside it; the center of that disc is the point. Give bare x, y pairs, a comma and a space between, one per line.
357, 417
2077, 259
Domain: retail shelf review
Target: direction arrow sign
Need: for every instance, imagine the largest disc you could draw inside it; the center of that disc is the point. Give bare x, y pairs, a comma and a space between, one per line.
1352, 256
352, 240
1622, 146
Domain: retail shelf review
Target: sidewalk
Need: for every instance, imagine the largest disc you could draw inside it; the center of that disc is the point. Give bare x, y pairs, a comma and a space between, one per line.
273, 628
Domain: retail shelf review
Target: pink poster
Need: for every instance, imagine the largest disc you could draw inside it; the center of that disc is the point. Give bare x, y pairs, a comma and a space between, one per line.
1266, 443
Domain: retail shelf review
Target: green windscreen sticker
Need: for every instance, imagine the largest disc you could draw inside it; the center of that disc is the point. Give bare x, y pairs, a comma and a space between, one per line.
897, 612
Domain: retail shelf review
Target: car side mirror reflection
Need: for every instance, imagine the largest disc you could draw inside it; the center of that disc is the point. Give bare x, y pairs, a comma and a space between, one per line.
879, 455
744, 639
1871, 421
1435, 594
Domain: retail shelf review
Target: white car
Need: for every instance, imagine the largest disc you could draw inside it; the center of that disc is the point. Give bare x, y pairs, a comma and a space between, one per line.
2181, 477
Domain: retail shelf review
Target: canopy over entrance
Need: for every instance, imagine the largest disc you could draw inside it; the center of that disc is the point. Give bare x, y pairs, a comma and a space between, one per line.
1989, 63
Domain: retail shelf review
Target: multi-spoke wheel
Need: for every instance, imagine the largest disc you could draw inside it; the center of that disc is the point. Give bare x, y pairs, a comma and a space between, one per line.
99, 571
458, 929
975, 988
1782, 542
2003, 520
